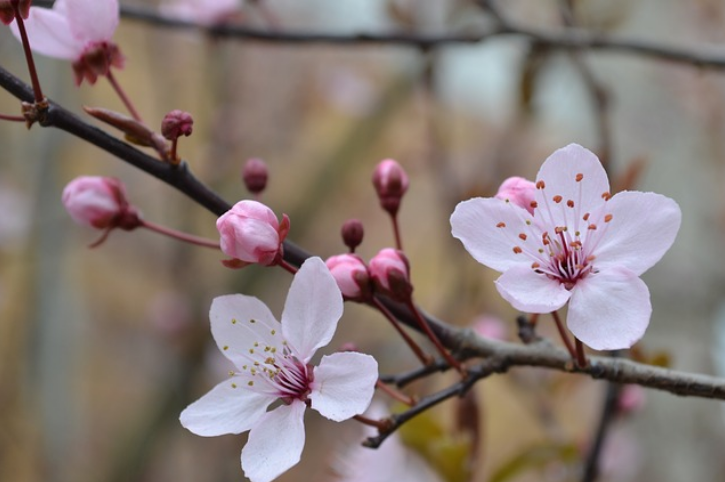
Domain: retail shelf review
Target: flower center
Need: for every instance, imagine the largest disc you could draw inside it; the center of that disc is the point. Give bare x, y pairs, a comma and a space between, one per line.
559, 239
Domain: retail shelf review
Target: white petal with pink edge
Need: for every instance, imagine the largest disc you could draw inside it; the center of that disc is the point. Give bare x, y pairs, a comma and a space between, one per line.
313, 308
275, 443
93, 20
609, 310
49, 34
489, 230
344, 385
531, 292
226, 408
571, 175
240, 321
642, 228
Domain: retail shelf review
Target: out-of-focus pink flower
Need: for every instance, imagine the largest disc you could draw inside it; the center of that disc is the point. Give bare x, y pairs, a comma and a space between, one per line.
7, 11
99, 202
392, 462
582, 246
79, 31
632, 398
251, 233
272, 365
390, 272
490, 327
391, 182
202, 12
519, 191
351, 275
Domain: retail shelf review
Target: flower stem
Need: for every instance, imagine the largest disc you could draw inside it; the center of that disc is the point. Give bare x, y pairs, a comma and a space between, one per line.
401, 397
564, 336
122, 95
181, 236
424, 358
396, 231
382, 425
12, 118
37, 91
581, 358
284, 264
434, 338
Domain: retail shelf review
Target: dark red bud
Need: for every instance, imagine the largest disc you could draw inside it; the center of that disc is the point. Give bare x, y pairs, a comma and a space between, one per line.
352, 233
176, 123
255, 175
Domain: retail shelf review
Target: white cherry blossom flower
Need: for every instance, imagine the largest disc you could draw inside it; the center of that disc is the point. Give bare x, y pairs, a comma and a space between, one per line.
581, 245
272, 362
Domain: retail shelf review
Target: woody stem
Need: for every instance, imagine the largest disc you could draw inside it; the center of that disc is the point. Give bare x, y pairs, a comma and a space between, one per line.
37, 92
564, 336
424, 358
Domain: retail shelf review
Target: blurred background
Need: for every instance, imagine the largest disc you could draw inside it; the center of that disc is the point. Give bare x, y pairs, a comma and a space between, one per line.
101, 349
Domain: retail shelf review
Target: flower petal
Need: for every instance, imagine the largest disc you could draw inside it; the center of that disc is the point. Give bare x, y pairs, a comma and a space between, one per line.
559, 173
344, 384
609, 310
642, 228
489, 230
531, 292
93, 20
275, 443
238, 322
312, 309
226, 408
49, 33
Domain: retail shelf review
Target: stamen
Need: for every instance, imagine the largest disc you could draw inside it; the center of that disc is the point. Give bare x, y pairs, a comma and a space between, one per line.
557, 199
540, 185
522, 236
579, 177
607, 218
501, 225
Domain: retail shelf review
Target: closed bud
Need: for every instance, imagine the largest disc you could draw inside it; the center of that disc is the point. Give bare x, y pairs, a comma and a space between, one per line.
391, 182
177, 123
7, 10
255, 174
352, 233
351, 276
250, 233
99, 202
518, 191
390, 272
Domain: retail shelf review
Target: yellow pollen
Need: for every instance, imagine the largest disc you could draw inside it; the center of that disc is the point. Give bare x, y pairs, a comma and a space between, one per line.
250, 383
256, 344
251, 351
234, 385
231, 373
528, 222
252, 320
541, 250
234, 321
226, 347
274, 332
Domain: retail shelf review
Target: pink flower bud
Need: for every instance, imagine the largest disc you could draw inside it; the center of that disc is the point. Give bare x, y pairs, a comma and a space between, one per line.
255, 175
99, 202
632, 398
519, 191
7, 11
176, 123
390, 272
251, 233
391, 182
352, 233
351, 275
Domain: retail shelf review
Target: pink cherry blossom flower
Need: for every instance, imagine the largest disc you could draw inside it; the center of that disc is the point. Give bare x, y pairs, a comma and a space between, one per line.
251, 233
99, 202
202, 12
519, 191
351, 275
79, 31
272, 363
581, 246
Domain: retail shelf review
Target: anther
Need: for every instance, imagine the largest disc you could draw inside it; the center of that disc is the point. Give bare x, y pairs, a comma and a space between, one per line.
535, 265
517, 250
557, 199
522, 236
592, 227
226, 347
540, 184
586, 217
607, 218
606, 195
501, 225
570, 203
579, 177
534, 204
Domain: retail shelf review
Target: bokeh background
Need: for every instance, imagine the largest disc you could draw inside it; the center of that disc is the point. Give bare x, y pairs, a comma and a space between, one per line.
100, 349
